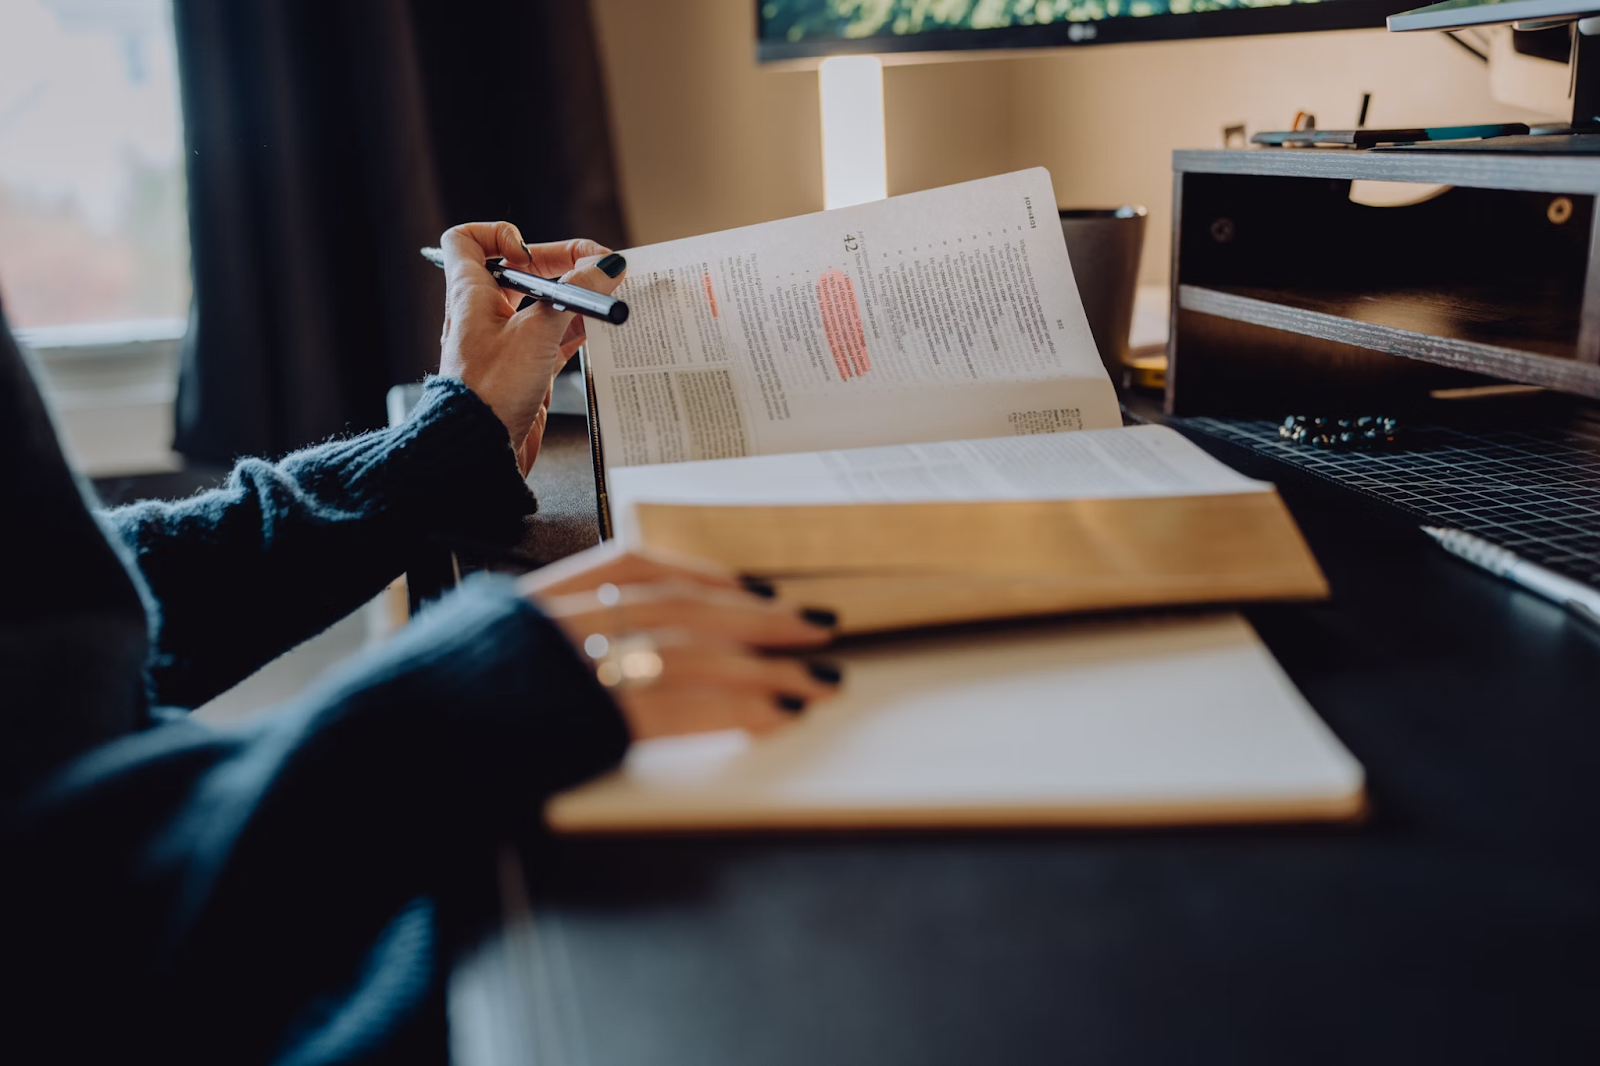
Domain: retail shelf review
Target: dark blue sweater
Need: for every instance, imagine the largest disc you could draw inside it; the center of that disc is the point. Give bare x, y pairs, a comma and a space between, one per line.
277, 893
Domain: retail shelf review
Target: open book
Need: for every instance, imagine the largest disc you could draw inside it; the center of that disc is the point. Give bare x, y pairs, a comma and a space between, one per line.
896, 410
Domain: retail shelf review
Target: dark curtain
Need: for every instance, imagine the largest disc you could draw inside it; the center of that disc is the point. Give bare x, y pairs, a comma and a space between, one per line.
327, 141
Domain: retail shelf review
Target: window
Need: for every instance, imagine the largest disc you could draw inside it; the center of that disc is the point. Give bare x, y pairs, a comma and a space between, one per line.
92, 218
94, 242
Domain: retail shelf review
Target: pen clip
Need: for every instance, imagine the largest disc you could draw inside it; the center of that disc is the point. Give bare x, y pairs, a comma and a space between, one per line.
1583, 611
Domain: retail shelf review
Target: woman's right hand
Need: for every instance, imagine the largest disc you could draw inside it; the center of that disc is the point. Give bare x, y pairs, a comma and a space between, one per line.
711, 636
506, 349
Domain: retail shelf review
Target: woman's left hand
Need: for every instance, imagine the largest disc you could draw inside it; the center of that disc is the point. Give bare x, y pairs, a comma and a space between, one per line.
510, 357
708, 637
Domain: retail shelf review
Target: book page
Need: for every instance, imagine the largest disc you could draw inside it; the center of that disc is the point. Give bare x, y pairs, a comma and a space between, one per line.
1133, 463
938, 315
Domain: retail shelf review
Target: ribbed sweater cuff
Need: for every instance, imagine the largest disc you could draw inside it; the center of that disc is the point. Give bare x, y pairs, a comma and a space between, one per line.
449, 471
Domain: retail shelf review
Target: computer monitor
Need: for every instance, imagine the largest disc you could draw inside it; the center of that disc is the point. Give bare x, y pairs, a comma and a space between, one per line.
799, 29
1583, 82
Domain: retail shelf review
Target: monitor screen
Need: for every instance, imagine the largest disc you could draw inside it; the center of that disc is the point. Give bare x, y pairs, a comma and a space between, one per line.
794, 29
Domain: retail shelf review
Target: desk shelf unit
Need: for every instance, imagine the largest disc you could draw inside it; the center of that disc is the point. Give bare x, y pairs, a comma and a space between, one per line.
1288, 295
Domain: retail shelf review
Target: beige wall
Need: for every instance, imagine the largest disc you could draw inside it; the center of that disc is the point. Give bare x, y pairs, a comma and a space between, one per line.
1105, 120
946, 122
706, 139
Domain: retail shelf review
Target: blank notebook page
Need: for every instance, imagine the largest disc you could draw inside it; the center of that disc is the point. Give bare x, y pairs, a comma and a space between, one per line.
1151, 721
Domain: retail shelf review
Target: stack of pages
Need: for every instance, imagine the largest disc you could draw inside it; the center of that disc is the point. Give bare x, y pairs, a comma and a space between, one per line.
897, 411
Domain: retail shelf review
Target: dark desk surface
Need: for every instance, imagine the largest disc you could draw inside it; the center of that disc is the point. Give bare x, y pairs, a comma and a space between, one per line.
1460, 924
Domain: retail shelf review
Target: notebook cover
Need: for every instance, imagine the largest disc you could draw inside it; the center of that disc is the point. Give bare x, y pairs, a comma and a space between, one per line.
1155, 720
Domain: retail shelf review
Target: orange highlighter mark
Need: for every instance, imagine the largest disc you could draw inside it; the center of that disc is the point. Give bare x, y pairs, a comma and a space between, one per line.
711, 295
841, 321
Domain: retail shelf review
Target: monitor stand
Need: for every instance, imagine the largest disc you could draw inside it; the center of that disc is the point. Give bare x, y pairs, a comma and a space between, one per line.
1580, 137
1571, 142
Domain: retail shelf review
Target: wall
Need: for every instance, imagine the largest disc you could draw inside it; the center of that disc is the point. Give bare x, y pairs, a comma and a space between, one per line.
706, 139
1105, 120
947, 122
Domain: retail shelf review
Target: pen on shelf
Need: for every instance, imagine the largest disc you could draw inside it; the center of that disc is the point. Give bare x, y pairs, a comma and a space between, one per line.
1578, 599
562, 297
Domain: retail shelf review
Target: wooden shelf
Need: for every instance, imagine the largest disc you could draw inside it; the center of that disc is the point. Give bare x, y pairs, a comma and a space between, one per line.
1484, 170
1477, 316
1288, 289
1491, 333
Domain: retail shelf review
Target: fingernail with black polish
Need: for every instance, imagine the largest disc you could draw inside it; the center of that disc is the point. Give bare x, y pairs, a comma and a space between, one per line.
827, 673
819, 616
761, 588
613, 265
527, 302
791, 704
525, 253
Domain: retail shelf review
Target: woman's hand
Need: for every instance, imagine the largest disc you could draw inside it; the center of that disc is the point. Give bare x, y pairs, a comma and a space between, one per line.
708, 632
510, 357
609, 563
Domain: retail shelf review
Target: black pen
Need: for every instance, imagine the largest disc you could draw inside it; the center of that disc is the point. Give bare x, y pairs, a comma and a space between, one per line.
562, 297
1579, 599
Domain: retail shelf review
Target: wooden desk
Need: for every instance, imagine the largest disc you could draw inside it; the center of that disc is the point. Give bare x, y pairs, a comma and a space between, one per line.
1461, 924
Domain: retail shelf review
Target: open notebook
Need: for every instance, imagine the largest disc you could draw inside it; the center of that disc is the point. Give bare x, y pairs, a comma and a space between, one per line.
1153, 721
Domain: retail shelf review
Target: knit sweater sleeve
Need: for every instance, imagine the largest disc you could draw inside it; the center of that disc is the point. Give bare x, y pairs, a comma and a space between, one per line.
281, 551
260, 865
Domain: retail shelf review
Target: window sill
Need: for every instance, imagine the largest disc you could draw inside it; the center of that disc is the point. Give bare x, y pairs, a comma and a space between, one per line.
111, 386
